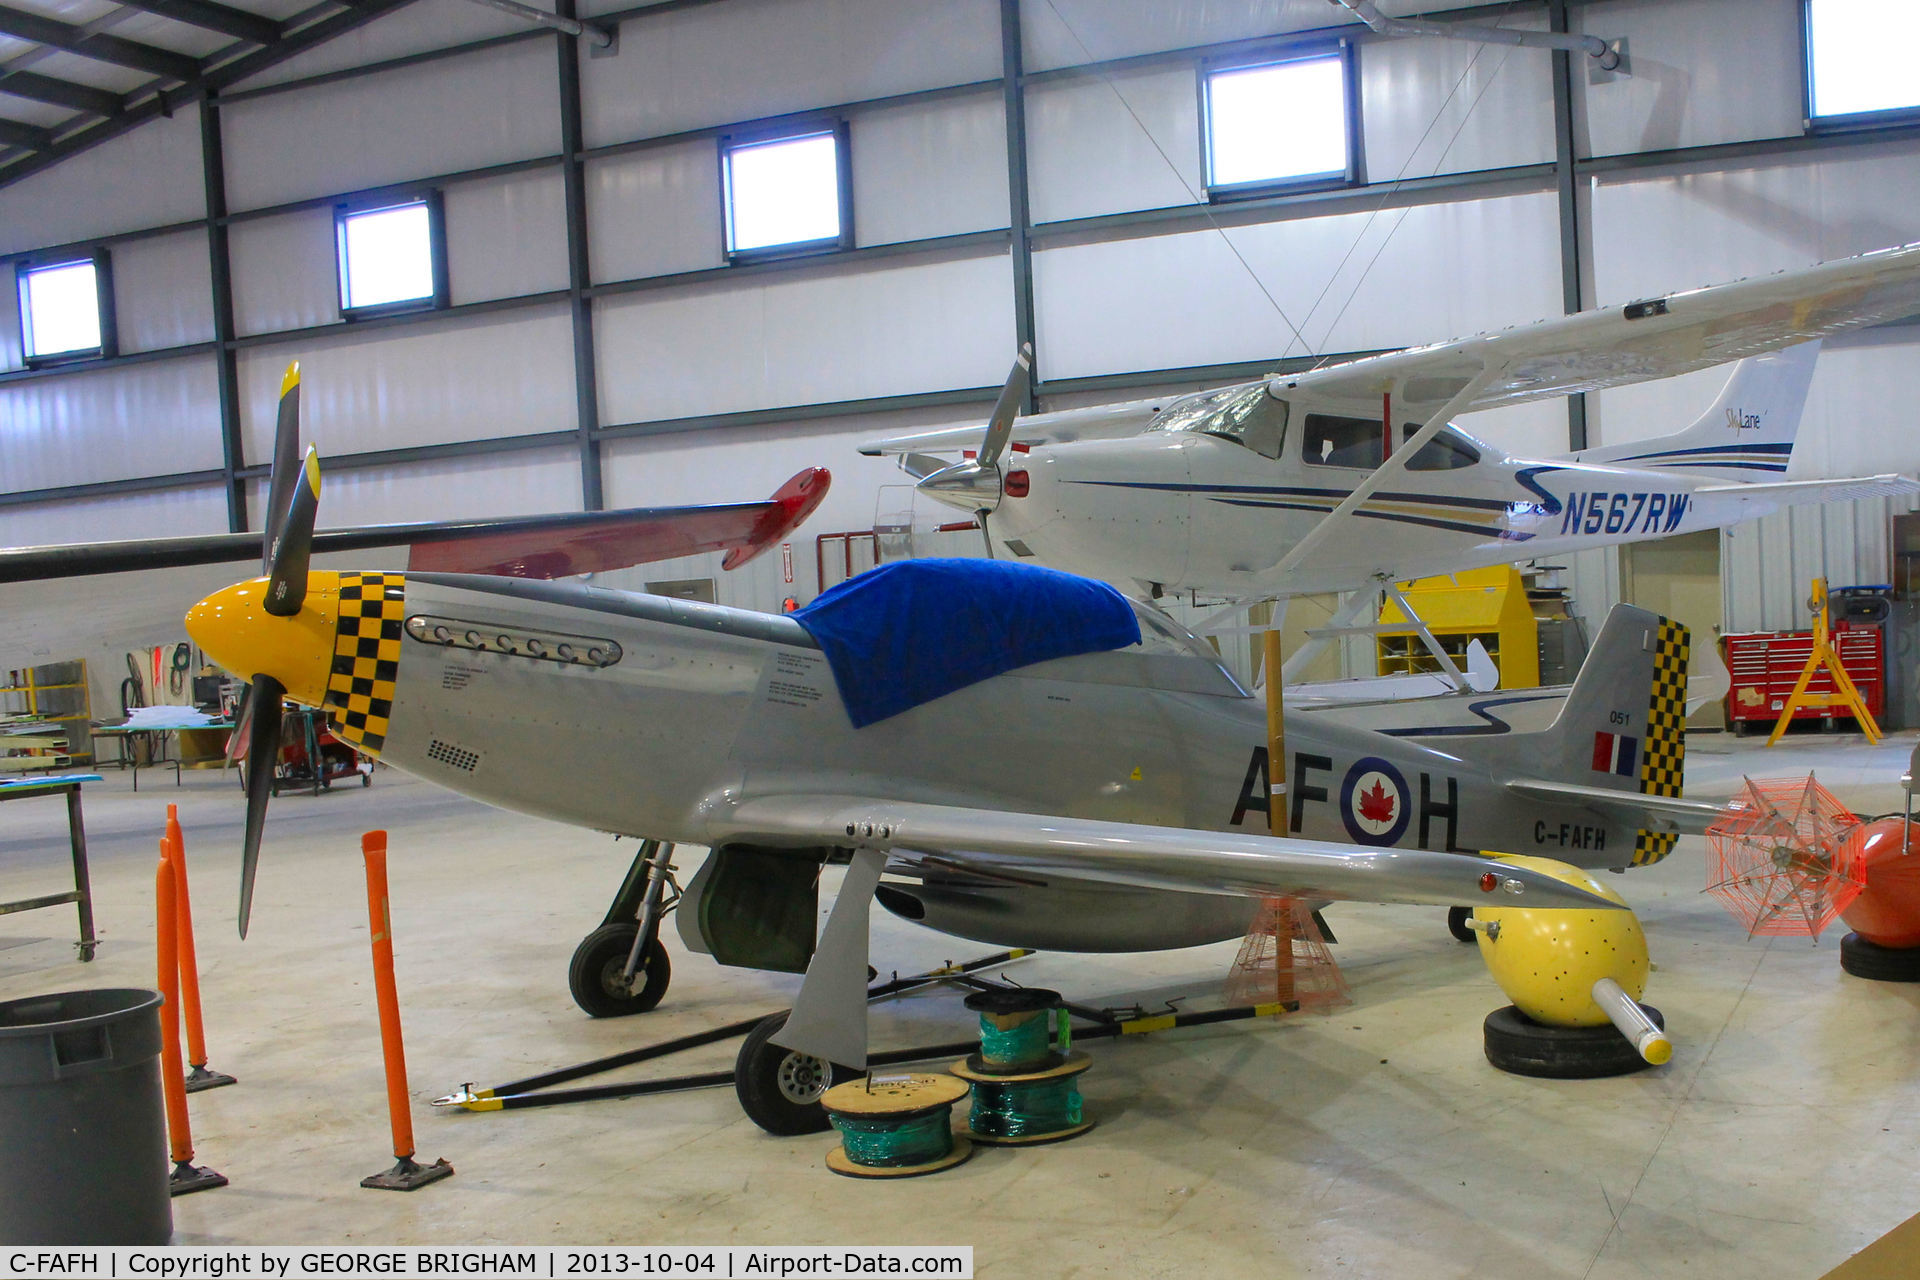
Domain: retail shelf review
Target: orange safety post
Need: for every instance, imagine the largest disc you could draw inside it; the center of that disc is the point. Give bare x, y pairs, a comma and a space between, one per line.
198, 1077
406, 1174
185, 1176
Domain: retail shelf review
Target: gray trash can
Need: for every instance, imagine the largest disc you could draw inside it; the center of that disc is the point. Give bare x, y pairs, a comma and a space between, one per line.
82, 1123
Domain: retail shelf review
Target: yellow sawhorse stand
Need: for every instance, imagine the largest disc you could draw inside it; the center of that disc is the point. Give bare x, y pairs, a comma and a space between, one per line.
1845, 693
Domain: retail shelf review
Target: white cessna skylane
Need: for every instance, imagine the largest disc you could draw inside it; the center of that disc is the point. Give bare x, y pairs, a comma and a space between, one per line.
1284, 486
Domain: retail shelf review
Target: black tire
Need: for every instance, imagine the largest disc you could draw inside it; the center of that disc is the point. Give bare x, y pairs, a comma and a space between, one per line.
599, 963
1457, 918
1516, 1043
780, 1088
1865, 959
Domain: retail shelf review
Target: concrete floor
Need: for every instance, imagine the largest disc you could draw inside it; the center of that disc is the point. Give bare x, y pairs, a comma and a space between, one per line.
1375, 1141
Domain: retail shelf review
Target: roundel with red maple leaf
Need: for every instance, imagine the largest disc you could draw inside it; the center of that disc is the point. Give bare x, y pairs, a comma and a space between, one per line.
1373, 802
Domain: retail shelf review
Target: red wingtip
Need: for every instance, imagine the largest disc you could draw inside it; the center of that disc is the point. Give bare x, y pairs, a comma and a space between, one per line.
793, 502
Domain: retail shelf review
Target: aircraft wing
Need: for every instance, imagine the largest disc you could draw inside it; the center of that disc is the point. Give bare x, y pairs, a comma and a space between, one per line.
994, 842
550, 546
1616, 346
1061, 427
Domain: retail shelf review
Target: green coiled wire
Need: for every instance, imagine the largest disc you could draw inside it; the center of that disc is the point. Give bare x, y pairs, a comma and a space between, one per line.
1016, 1048
886, 1143
1025, 1109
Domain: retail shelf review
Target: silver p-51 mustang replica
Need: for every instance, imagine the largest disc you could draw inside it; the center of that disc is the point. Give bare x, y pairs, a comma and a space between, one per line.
1352, 475
1024, 756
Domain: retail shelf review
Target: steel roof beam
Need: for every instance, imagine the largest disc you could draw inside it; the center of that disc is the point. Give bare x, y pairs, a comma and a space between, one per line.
61, 93
15, 134
97, 45
225, 19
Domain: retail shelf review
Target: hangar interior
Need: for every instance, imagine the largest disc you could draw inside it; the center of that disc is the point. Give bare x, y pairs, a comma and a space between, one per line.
595, 327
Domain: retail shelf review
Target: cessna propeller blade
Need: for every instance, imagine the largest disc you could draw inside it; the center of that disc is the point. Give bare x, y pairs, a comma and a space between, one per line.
293, 550
1013, 398
979, 478
263, 753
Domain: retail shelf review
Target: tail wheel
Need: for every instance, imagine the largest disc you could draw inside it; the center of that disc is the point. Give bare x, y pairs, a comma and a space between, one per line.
1457, 918
779, 1088
597, 976
1865, 959
1516, 1043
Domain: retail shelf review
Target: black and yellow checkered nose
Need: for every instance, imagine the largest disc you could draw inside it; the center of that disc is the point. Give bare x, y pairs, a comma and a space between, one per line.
341, 651
366, 657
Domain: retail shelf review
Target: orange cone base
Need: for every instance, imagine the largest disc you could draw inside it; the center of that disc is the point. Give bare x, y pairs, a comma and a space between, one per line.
200, 1078
408, 1176
188, 1178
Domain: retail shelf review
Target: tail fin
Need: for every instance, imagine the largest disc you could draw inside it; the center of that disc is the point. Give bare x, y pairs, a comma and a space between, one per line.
1748, 433
1622, 727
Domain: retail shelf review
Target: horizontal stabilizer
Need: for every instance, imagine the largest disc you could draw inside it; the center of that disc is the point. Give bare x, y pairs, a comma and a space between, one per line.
1800, 492
1670, 812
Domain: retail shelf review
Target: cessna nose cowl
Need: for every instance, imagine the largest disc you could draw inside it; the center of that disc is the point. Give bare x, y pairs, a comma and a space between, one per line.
968, 485
236, 631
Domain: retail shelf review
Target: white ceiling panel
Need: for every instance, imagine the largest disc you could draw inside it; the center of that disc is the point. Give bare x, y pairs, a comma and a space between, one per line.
417, 28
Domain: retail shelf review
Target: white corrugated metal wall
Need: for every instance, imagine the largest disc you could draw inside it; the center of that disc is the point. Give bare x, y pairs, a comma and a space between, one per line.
710, 380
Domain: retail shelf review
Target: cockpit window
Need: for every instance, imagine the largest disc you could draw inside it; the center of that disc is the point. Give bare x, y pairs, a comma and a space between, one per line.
1447, 451
1332, 441
1246, 415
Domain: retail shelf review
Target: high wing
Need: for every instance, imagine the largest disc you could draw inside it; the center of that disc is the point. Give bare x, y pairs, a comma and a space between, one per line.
1616, 346
549, 546
994, 842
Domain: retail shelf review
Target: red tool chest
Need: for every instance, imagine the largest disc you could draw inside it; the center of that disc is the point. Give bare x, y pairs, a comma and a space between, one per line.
1765, 664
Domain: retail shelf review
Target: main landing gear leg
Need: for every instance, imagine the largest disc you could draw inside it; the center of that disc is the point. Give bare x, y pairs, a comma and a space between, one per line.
621, 968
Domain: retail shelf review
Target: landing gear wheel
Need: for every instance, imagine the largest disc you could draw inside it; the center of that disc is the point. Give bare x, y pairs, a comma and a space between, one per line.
1457, 918
1517, 1044
596, 976
780, 1089
1865, 959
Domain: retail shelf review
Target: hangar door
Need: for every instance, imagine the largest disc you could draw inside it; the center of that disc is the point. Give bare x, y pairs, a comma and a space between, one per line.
1679, 578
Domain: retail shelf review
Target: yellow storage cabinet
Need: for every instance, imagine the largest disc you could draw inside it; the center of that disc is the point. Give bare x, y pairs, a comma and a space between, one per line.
1488, 605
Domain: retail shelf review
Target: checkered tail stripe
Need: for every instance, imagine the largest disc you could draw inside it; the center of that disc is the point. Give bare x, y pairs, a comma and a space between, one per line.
366, 657
1663, 767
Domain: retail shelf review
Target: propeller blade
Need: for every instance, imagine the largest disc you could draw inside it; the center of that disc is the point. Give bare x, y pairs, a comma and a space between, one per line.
263, 754
286, 465
293, 550
986, 534
1013, 398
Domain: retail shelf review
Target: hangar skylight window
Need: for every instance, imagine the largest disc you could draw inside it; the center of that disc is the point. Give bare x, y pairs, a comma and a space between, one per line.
1276, 124
1860, 57
392, 257
66, 310
786, 194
